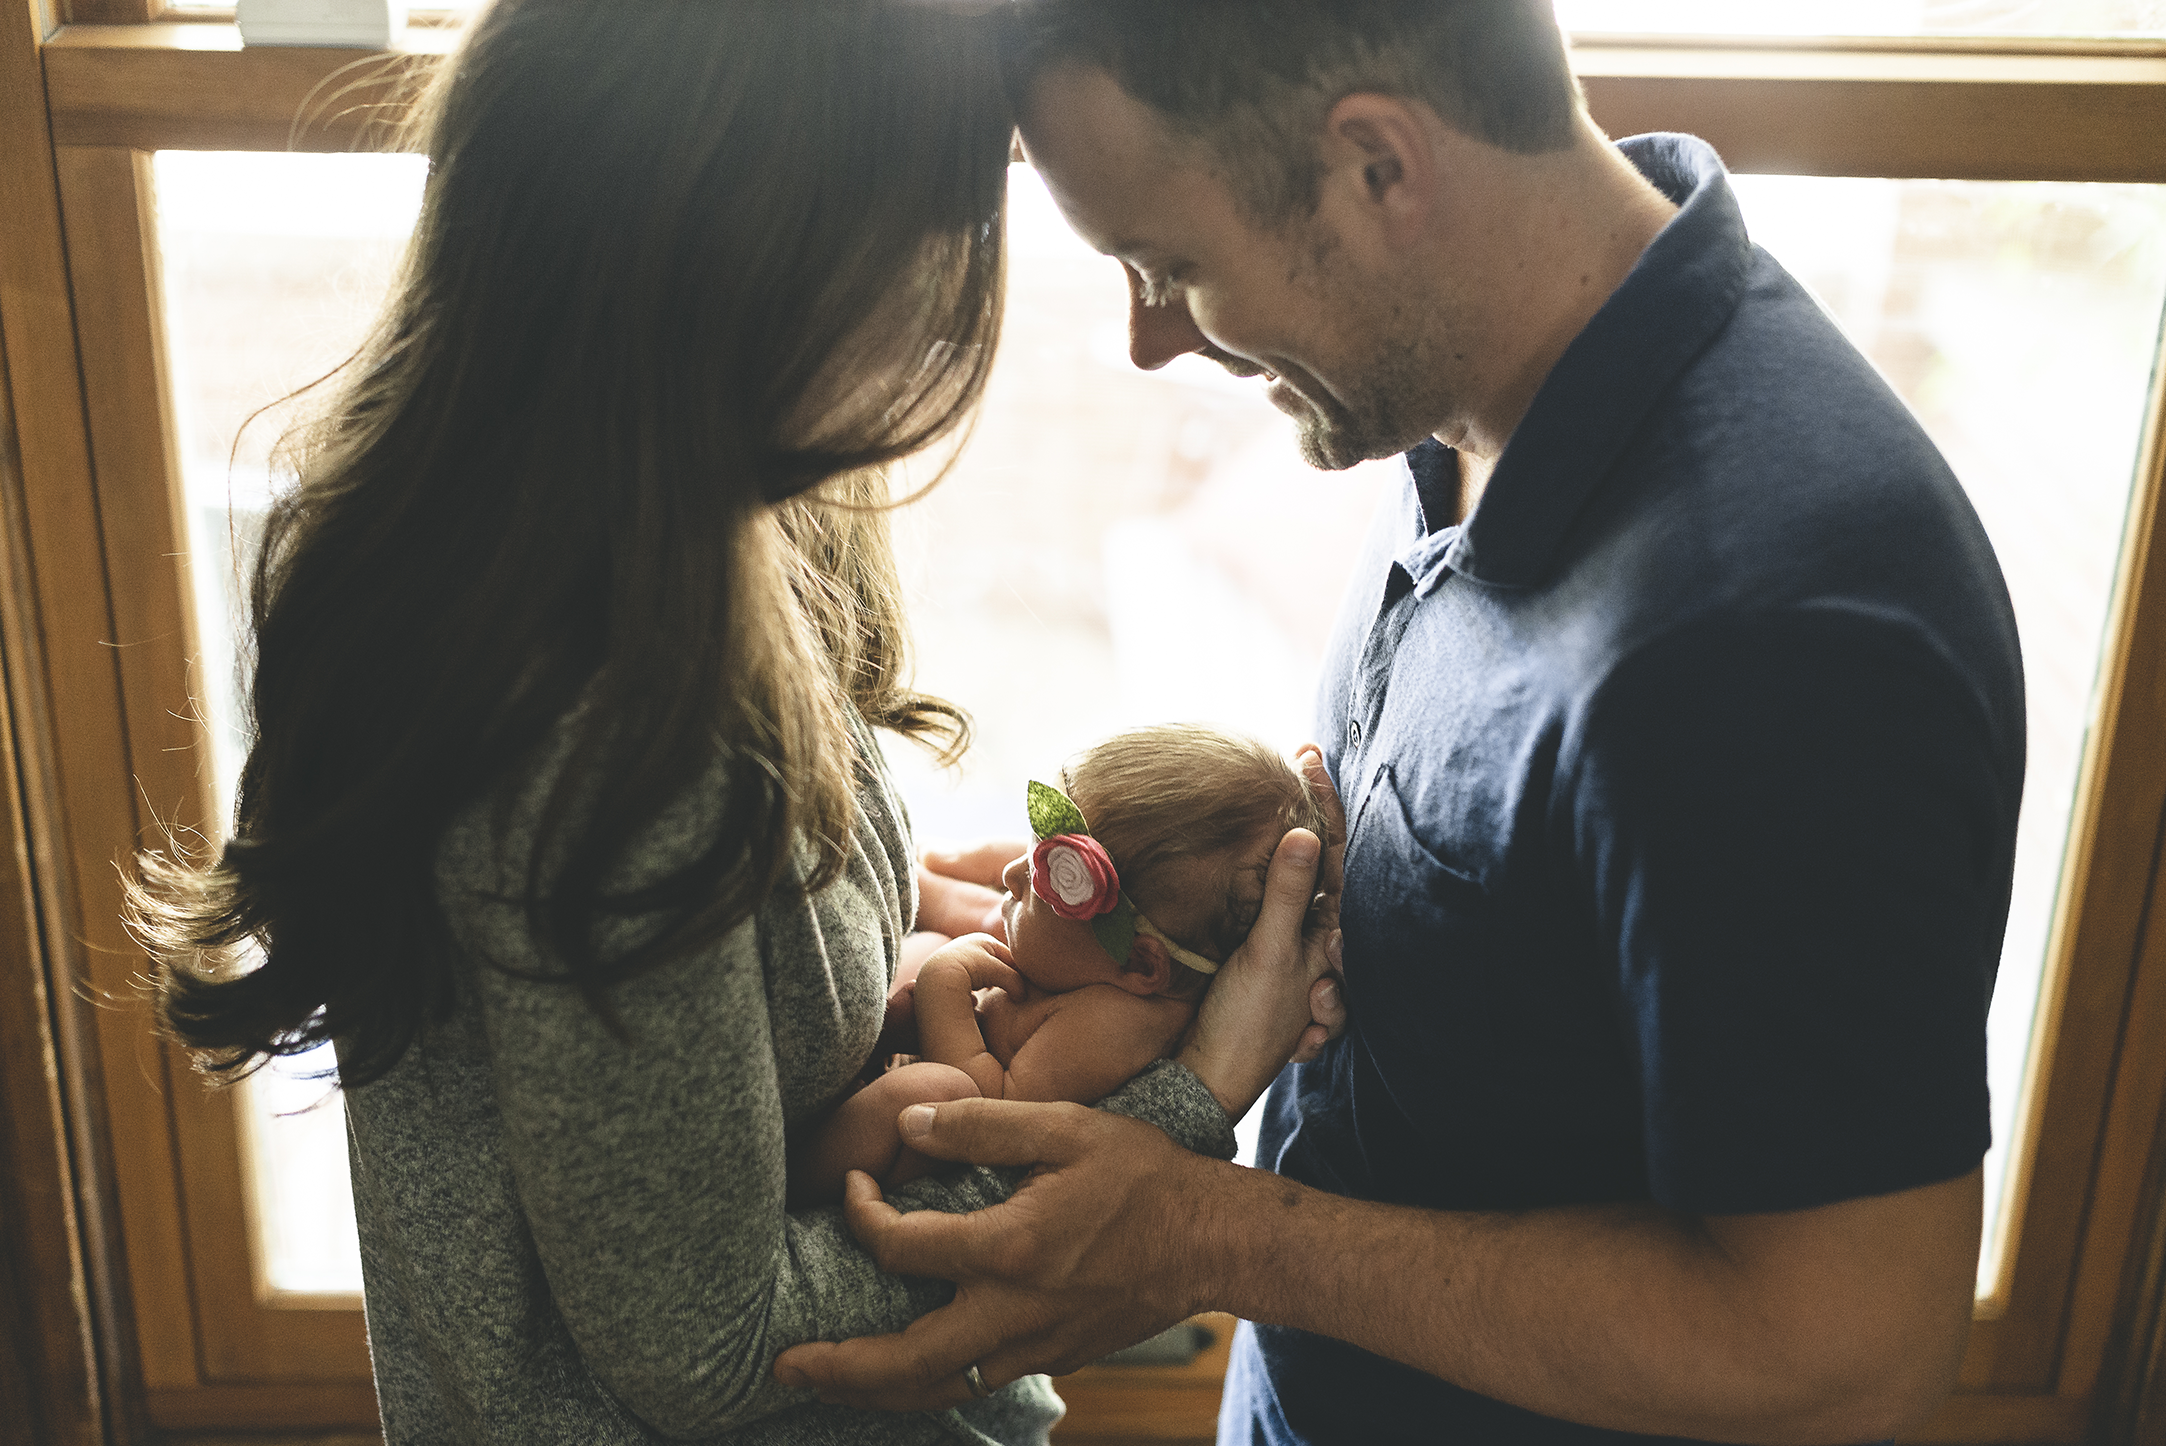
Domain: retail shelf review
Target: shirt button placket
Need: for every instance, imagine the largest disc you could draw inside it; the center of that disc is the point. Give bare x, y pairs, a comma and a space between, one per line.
1373, 676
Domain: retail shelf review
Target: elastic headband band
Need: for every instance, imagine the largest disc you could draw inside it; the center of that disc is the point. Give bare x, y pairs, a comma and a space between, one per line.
1190, 957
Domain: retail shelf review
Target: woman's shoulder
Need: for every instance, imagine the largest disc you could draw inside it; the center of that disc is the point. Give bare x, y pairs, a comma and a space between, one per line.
486, 865
489, 846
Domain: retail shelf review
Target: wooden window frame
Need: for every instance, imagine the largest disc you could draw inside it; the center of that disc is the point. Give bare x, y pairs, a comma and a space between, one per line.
96, 626
157, 12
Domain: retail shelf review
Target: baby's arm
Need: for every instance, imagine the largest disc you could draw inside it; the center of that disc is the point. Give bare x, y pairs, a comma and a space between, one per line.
947, 1006
1101, 1038
861, 1134
932, 1013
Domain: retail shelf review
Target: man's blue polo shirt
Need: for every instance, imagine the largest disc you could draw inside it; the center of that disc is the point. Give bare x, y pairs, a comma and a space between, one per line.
1681, 785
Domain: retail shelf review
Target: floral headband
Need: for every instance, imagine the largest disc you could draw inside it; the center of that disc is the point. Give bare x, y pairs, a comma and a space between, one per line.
1073, 872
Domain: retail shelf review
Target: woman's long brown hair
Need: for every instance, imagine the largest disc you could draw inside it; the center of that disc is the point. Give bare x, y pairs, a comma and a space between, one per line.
687, 273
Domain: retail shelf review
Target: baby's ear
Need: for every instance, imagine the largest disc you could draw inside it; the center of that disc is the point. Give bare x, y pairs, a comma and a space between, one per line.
1149, 968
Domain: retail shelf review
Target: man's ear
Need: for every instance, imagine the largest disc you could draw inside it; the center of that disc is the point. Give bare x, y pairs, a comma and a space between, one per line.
1381, 163
1149, 968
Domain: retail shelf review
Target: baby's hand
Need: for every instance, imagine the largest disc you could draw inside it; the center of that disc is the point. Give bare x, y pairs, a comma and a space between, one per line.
947, 1006
980, 958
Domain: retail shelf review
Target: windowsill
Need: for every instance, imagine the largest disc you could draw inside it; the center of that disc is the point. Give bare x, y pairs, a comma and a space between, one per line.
1959, 109
1890, 57
213, 33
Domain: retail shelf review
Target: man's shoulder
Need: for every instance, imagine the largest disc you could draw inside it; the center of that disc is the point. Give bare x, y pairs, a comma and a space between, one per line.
1782, 471
1781, 389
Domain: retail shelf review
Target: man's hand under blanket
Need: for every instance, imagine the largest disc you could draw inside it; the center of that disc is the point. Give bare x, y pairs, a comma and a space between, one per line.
1842, 1323
1080, 1261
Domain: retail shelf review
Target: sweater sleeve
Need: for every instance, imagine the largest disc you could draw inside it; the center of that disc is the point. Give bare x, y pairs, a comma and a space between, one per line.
649, 1160
652, 1172
650, 1169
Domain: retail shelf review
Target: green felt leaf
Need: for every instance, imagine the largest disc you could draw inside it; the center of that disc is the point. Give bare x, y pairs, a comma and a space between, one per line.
1051, 813
1116, 930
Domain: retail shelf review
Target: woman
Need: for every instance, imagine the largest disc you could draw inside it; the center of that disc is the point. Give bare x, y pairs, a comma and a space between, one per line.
563, 818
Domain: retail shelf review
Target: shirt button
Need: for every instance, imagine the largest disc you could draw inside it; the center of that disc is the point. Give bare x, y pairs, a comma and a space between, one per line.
1353, 732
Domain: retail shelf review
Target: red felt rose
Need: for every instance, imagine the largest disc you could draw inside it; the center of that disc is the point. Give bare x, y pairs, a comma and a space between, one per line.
1073, 873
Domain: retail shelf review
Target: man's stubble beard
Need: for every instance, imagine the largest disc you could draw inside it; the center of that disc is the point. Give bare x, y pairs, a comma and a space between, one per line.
1334, 439
1393, 384
1386, 418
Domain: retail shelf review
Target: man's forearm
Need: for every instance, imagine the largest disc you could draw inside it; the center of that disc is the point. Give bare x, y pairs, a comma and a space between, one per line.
1836, 1325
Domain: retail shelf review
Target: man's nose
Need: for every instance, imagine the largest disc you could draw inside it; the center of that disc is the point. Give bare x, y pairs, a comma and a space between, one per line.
1158, 334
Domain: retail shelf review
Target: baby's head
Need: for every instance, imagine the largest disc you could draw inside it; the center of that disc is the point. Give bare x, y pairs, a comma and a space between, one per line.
1189, 817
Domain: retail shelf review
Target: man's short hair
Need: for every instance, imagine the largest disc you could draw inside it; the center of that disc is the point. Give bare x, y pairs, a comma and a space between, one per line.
1254, 80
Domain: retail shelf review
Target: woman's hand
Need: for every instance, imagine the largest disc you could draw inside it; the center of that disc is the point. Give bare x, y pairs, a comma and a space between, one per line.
959, 890
1097, 1249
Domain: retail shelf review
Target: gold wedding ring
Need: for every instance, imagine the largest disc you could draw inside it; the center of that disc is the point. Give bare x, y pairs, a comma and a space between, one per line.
976, 1382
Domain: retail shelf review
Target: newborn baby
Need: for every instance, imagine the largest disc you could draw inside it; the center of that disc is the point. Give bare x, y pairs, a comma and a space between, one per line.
1147, 873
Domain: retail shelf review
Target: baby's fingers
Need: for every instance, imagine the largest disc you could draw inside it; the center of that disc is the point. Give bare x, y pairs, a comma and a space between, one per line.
991, 965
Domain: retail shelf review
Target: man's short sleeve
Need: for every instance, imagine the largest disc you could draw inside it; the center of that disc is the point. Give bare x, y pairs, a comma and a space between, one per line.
1797, 830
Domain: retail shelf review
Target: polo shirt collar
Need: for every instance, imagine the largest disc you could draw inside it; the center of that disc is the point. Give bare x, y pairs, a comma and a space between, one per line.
1677, 296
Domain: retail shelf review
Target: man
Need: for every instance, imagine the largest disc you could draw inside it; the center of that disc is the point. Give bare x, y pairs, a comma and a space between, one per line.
1678, 717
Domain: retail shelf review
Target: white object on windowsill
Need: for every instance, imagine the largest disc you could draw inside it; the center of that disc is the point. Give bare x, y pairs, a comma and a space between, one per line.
367, 24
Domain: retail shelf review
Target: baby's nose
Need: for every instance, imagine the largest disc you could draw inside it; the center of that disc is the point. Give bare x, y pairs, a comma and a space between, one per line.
1015, 878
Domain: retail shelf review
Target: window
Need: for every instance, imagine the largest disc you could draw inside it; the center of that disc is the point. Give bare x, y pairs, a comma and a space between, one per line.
274, 266
1982, 214
2059, 18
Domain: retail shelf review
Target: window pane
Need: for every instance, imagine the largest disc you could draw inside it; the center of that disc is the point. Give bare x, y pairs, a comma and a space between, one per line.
416, 9
2118, 18
2020, 322
274, 267
2108, 18
1115, 547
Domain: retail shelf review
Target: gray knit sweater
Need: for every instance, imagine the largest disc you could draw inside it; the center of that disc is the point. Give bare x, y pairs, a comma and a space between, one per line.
568, 1239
